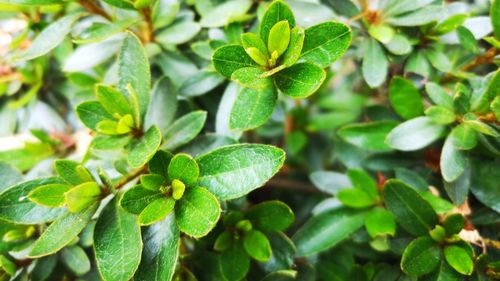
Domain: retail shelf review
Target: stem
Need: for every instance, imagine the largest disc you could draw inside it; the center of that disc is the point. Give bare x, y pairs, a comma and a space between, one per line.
485, 58
130, 177
93, 8
148, 34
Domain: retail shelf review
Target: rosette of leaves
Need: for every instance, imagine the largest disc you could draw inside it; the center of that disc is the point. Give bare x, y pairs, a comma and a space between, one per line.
245, 236
281, 57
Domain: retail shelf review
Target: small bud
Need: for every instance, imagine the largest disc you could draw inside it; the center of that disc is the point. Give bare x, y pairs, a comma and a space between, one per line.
257, 55
178, 189
244, 225
438, 233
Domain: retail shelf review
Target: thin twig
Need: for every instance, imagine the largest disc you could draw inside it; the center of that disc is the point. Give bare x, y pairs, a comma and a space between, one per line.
130, 177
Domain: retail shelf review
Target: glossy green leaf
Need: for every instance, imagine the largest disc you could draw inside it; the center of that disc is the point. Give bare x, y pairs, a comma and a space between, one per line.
82, 196
453, 224
440, 114
452, 161
380, 222
252, 108
450, 24
184, 129
250, 77
76, 260
160, 253
234, 262
72, 172
405, 98
232, 171
467, 39
300, 80
145, 148
249, 40
445, 273
197, 212
438, 95
326, 230
184, 168
325, 43
50, 195
276, 12
355, 198
156, 211
62, 231
375, 64
412, 212
459, 259
420, 257
227, 59
117, 243
112, 100
292, 54
271, 216
163, 105
415, 134
369, 136
279, 38
419, 17
484, 184
257, 245
92, 113
135, 199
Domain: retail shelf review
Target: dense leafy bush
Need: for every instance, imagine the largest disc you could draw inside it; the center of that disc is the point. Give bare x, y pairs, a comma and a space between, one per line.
146, 140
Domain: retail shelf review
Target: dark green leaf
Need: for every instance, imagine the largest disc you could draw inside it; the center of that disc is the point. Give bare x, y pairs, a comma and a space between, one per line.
252, 108
405, 98
135, 199
420, 257
276, 12
234, 262
229, 58
369, 136
300, 80
484, 184
271, 216
459, 259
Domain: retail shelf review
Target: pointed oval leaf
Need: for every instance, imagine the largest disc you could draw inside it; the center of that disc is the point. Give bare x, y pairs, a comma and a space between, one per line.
369, 136
156, 211
375, 64
50, 195
292, 54
420, 257
257, 245
92, 113
252, 108
184, 129
135, 199
145, 148
227, 59
415, 134
279, 38
276, 12
271, 216
405, 98
300, 80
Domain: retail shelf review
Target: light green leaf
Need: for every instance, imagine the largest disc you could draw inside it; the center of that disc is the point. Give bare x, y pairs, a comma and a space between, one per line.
184, 168
223, 14
184, 129
200, 83
135, 199
405, 98
355, 198
452, 161
375, 65
49, 38
415, 134
459, 259
369, 136
252, 108
325, 43
300, 80
438, 95
117, 243
156, 211
450, 24
271, 216
250, 77
440, 114
249, 40
82, 196
163, 105
8, 176
257, 245
227, 59
420, 257
197, 212
92, 113
234, 262
232, 171
495, 17
438, 59
99, 31
62, 231
145, 148
112, 100
380, 222
279, 38
382, 32
276, 12
417, 63
178, 33
75, 258
292, 54
399, 45
50, 195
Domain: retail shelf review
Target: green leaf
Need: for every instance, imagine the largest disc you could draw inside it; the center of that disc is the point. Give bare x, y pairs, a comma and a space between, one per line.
15, 206
197, 212
415, 134
445, 273
92, 113
133, 70
98, 32
399, 45
459, 259
257, 245
159, 163
161, 250
145, 148
495, 17
156, 211
251, 77
419, 17
229, 58
49, 38
473, 121
152, 181
440, 114
450, 24
467, 39
453, 224
117, 243
178, 33
184, 129
355, 198
8, 176
417, 63
72, 172
135, 199
163, 105
405, 98
201, 83
50, 195
325, 43
438, 59
380, 222
232, 171
249, 40
252, 108
82, 196
122, 4
421, 256
279, 38
382, 32
292, 54
76, 260
225, 12
271, 216
62, 231
412, 212
112, 100
369, 136
234, 262
452, 161
375, 64
326, 230
495, 107
484, 183
300, 80
257, 56
276, 12
184, 168
438, 95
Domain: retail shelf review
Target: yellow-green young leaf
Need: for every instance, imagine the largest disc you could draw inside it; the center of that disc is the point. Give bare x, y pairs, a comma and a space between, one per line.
133, 70
257, 56
62, 231
415, 134
271, 216
405, 98
459, 259
276, 12
420, 257
362, 180
184, 168
156, 211
8, 267
112, 100
49, 38
122, 4
15, 206
92, 113
145, 148
380, 222
326, 230
232, 171
50, 195
249, 40
355, 198
184, 129
292, 53
279, 38
369, 136
250, 77
107, 127
252, 108
440, 114
82, 196
117, 243
125, 124
325, 43
152, 181
135, 199
161, 250
235, 262
495, 17
229, 58
412, 212
382, 32
473, 121
257, 245
197, 212
450, 24
72, 172
300, 80
178, 189
375, 64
